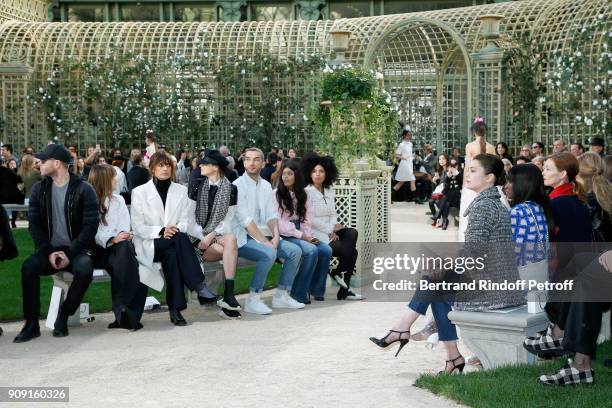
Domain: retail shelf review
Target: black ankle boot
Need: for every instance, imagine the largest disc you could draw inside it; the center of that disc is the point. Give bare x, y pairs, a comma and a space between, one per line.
177, 318
30, 331
61, 325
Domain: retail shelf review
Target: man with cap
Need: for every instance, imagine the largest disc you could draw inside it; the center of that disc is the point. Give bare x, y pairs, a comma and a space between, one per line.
63, 221
216, 198
597, 145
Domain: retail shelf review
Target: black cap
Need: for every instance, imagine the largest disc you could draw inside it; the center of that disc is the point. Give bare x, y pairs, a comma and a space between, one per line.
597, 141
55, 151
216, 158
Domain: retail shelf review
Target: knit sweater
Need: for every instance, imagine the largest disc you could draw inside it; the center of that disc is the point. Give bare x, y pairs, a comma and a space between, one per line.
489, 236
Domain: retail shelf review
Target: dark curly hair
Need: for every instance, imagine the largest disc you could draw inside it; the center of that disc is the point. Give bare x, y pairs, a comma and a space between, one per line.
283, 194
311, 160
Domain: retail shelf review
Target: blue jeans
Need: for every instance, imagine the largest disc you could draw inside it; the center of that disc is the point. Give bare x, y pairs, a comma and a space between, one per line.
265, 257
303, 280
319, 277
446, 329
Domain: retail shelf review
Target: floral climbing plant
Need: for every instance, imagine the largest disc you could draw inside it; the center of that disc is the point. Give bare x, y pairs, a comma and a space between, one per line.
252, 109
356, 119
581, 87
525, 87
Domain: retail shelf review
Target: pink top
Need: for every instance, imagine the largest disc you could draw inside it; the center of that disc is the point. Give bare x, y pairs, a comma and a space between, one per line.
285, 225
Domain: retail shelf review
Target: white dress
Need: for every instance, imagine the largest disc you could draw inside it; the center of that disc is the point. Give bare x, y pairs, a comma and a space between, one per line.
405, 168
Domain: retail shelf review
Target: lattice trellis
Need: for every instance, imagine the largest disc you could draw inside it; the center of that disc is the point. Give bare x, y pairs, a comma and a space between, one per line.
24, 10
358, 205
427, 57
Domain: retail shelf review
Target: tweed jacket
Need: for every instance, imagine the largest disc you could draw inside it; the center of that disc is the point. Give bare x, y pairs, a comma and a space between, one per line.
489, 233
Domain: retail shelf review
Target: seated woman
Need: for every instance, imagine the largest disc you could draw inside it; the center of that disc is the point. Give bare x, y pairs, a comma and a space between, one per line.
453, 182
115, 251
437, 180
216, 200
295, 225
160, 214
321, 172
488, 223
530, 216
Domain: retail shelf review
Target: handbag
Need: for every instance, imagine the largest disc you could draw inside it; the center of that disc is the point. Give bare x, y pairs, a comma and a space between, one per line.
538, 271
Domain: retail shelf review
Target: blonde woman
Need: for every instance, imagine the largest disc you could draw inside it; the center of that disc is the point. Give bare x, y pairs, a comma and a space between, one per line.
598, 191
115, 251
28, 173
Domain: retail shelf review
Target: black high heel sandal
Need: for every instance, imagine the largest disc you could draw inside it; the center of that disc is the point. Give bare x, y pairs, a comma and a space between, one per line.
459, 367
382, 343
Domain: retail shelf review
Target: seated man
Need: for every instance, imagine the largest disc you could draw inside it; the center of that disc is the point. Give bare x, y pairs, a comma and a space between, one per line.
63, 221
258, 237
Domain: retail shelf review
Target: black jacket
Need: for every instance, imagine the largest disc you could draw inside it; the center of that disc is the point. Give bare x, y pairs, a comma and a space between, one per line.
137, 176
81, 212
8, 248
9, 193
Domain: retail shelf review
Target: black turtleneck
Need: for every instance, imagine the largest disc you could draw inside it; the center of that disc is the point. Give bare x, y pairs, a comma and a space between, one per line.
162, 187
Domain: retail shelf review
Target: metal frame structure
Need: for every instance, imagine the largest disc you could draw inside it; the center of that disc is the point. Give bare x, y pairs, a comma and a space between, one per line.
429, 60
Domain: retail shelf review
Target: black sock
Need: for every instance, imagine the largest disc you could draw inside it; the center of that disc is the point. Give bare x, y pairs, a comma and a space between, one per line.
229, 287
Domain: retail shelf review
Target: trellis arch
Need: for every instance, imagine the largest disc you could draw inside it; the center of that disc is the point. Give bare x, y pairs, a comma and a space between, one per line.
408, 77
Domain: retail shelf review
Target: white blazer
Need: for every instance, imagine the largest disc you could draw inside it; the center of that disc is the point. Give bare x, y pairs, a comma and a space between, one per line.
117, 220
149, 217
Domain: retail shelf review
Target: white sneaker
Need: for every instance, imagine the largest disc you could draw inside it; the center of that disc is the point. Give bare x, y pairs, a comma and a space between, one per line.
353, 296
254, 305
282, 299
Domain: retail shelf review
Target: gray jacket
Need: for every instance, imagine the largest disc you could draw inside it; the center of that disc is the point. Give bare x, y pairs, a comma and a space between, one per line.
489, 233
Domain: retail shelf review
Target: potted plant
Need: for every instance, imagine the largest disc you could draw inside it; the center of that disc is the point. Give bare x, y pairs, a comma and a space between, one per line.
356, 120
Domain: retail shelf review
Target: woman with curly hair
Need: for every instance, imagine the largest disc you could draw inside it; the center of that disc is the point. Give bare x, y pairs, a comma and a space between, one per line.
320, 173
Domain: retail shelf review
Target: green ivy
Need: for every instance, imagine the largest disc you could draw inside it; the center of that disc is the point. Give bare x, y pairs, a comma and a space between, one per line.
356, 121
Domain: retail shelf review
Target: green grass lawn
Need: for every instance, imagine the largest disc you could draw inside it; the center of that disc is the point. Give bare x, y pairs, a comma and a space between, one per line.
98, 295
517, 386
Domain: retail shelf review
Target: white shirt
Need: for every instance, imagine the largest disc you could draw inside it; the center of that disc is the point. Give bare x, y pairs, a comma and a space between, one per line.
117, 220
324, 218
254, 204
121, 182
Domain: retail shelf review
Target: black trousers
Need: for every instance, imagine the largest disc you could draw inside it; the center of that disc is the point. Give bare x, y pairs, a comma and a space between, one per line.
128, 293
345, 248
581, 319
38, 265
180, 266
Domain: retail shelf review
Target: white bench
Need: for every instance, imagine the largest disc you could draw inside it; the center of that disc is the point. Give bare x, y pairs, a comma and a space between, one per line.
213, 275
496, 337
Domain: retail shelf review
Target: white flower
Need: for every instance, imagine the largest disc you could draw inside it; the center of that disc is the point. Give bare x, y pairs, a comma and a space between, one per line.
595, 102
379, 75
558, 83
305, 118
243, 72
42, 91
578, 118
604, 102
597, 88
542, 99
579, 83
578, 54
589, 122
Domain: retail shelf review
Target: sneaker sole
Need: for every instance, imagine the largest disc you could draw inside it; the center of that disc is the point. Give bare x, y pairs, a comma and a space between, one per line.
286, 307
554, 352
226, 317
221, 303
257, 312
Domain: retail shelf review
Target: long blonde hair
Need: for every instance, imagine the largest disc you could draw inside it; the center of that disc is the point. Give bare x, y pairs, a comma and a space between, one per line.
593, 176
27, 165
101, 178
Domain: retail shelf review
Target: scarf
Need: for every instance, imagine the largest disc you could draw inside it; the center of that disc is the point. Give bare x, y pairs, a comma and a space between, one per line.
563, 190
219, 206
